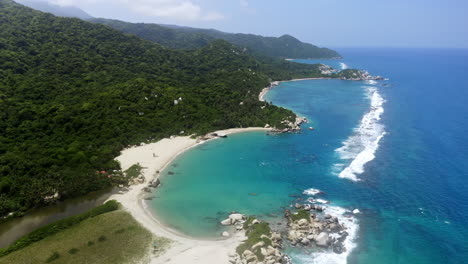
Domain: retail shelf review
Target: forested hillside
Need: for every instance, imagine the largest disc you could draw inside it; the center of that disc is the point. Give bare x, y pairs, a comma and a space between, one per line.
189, 38
74, 93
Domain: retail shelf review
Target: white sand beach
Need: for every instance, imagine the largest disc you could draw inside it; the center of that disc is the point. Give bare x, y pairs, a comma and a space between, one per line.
154, 157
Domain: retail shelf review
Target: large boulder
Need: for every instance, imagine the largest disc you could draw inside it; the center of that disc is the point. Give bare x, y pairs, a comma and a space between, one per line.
247, 253
270, 250
305, 241
292, 235
226, 222
259, 244
275, 236
322, 239
333, 227
303, 222
236, 217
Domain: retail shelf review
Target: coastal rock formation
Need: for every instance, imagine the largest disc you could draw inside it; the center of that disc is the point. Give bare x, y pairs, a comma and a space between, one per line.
315, 229
327, 70
234, 219
357, 75
291, 127
263, 246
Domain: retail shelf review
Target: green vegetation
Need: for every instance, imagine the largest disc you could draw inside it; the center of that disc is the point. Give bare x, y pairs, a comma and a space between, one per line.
58, 226
73, 245
134, 171
74, 93
73, 251
192, 38
53, 257
300, 214
254, 234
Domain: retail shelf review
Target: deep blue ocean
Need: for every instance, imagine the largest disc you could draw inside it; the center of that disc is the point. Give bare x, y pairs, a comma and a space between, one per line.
397, 150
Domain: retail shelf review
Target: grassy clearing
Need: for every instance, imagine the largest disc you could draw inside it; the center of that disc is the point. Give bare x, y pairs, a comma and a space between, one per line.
134, 171
301, 214
113, 237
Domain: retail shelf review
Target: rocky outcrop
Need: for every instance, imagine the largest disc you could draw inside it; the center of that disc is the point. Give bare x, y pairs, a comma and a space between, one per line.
234, 219
309, 227
291, 127
326, 70
262, 247
357, 75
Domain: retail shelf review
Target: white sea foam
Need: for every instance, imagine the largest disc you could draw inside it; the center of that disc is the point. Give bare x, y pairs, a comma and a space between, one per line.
322, 201
328, 257
314, 201
312, 192
343, 66
362, 145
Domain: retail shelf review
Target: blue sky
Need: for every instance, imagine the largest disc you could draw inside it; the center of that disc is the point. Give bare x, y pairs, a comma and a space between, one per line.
331, 23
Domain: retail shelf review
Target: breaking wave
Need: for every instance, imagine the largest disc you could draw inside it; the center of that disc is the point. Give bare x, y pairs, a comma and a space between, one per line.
362, 145
312, 192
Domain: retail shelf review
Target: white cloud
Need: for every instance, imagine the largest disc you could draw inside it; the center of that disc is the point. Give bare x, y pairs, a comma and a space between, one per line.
182, 10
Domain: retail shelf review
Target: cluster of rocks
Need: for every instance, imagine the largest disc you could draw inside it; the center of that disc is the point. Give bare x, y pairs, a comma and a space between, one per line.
327, 70
265, 251
236, 220
152, 184
270, 255
309, 229
307, 207
211, 136
358, 75
292, 127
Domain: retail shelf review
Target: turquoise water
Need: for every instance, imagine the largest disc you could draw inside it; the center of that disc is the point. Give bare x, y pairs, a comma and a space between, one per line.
412, 194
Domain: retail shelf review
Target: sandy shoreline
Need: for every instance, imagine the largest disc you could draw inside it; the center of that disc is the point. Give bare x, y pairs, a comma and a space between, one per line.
276, 83
155, 157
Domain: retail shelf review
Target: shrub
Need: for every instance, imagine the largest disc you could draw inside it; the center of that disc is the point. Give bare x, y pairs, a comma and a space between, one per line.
73, 251
102, 238
53, 257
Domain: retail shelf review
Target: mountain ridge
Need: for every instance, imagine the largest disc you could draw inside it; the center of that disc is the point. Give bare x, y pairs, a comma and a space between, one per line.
184, 37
